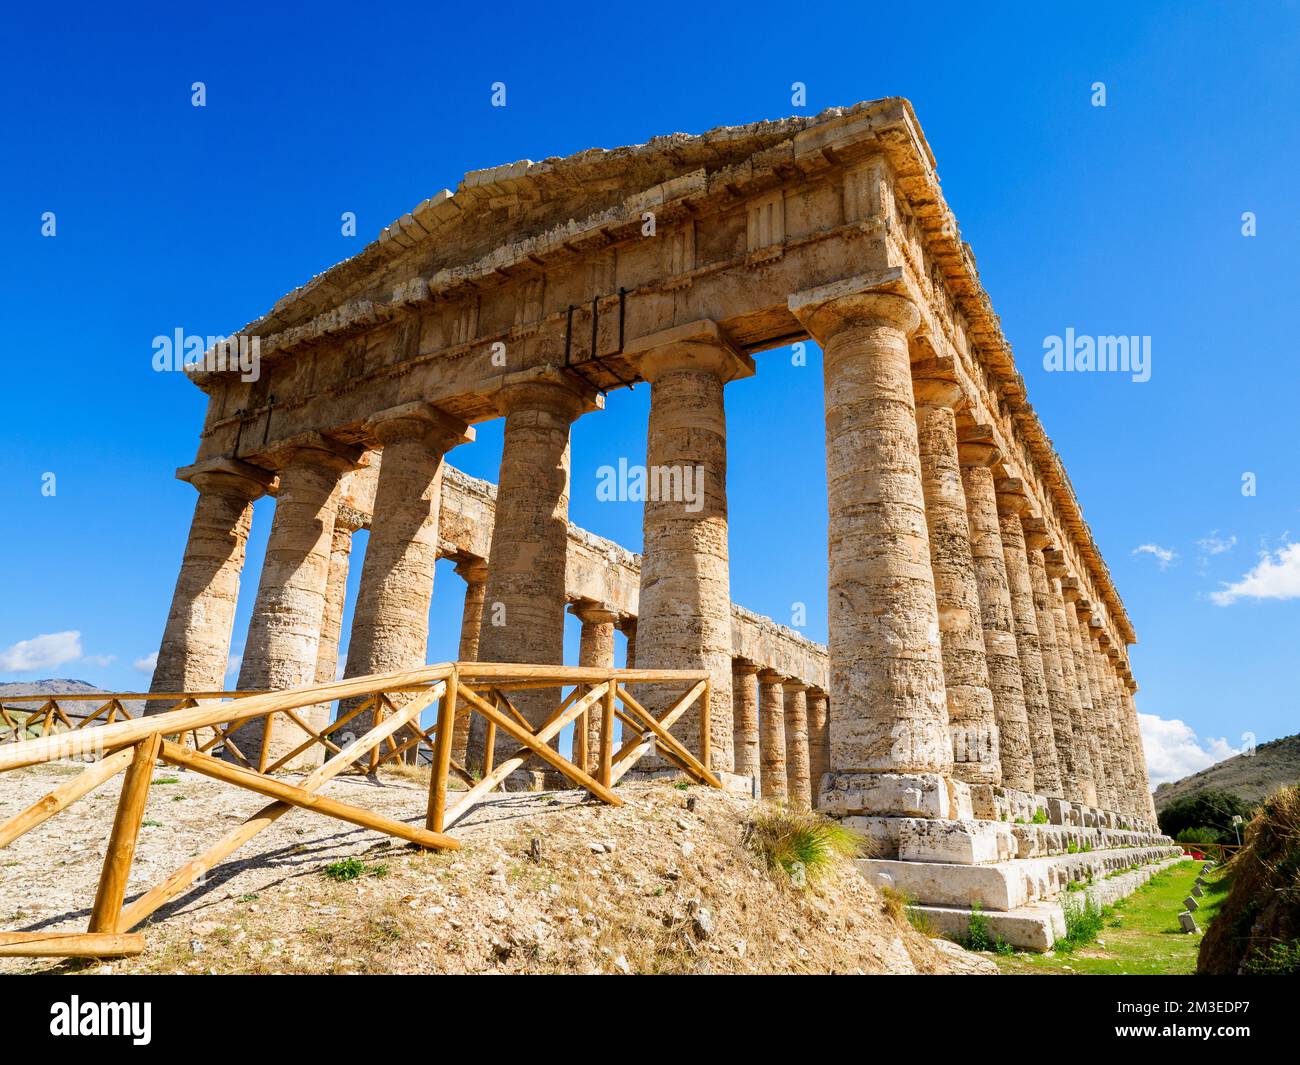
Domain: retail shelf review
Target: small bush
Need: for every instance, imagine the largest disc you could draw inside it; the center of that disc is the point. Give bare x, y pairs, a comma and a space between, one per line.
801, 844
1040, 817
1083, 923
978, 934
1281, 959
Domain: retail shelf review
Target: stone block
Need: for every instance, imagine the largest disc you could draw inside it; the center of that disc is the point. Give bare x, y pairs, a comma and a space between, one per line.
1033, 927
1059, 812
1187, 922
886, 795
958, 842
983, 805
1197, 890
1190, 904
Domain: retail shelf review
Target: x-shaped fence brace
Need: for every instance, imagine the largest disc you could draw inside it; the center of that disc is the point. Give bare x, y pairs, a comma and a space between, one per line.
134, 746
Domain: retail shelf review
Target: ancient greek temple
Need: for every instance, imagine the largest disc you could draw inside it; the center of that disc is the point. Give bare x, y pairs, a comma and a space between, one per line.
974, 705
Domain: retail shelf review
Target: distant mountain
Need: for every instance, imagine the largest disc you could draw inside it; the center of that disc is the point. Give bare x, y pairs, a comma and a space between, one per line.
1250, 777
59, 686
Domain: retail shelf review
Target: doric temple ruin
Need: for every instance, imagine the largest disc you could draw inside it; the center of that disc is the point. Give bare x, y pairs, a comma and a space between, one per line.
973, 713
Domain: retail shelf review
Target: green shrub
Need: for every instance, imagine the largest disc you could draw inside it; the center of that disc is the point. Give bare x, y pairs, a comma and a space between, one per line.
1040, 817
1281, 959
1213, 810
802, 844
978, 934
1083, 923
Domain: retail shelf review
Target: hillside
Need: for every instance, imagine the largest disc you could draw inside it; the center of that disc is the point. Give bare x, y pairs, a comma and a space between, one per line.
1251, 777
545, 883
59, 686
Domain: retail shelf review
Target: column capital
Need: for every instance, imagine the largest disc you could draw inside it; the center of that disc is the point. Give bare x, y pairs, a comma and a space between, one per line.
1012, 497
854, 302
626, 624
590, 612
545, 388
935, 384
1037, 537
793, 685
700, 345
745, 666
312, 449
349, 519
227, 476
975, 446
771, 676
419, 421
1054, 558
472, 570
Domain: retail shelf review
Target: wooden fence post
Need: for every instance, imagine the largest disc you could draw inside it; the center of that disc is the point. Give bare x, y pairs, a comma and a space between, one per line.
107, 911
436, 815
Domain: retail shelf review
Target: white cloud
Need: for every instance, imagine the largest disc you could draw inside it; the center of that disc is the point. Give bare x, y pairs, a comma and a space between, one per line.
1276, 576
1214, 544
1173, 749
1164, 555
147, 664
233, 662
100, 660
41, 652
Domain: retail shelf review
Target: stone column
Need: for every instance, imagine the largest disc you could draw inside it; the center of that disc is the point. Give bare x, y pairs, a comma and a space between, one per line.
195, 646
473, 571
284, 632
336, 591
684, 612
1148, 800
773, 784
628, 628
819, 749
886, 665
1103, 712
1123, 740
390, 625
523, 615
1080, 711
1076, 616
1036, 539
978, 455
1012, 503
744, 703
972, 719
596, 650
798, 786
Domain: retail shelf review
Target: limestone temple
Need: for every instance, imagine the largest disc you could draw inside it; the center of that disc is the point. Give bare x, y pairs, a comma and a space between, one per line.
973, 713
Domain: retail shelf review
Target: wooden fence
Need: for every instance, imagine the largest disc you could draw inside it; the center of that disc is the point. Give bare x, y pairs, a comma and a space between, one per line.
135, 745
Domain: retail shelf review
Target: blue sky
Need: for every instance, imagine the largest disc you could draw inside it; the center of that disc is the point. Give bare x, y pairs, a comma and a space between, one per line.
1123, 219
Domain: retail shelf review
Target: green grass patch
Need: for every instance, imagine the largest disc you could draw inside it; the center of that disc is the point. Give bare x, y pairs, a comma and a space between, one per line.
1139, 935
802, 845
353, 869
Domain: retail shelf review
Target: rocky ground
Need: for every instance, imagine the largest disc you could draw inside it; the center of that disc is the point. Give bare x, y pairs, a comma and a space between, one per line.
663, 884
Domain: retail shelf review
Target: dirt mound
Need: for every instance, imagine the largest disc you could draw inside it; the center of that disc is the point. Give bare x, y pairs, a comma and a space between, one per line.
663, 884
1257, 929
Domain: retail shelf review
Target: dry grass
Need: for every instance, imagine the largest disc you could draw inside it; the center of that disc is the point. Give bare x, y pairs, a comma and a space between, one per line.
803, 845
1262, 910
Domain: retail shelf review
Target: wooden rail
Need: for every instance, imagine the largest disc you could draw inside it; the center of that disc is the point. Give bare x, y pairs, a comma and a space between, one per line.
135, 745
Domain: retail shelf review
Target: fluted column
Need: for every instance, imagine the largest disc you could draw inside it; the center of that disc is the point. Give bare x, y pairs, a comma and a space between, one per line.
744, 703
336, 590
195, 645
523, 614
390, 625
1103, 711
1119, 769
978, 455
473, 571
284, 632
1012, 504
972, 719
1036, 539
595, 650
1081, 757
773, 783
797, 774
1076, 615
886, 665
628, 628
684, 612
819, 740
1148, 800
1123, 739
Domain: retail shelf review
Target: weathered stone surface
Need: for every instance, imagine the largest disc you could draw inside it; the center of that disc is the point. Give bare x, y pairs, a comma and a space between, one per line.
684, 620
971, 716
771, 731
798, 787
744, 704
596, 650
887, 686
1001, 652
819, 750
195, 647
887, 794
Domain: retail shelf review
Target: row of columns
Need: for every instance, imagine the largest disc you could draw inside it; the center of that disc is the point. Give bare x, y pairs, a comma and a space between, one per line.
959, 642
